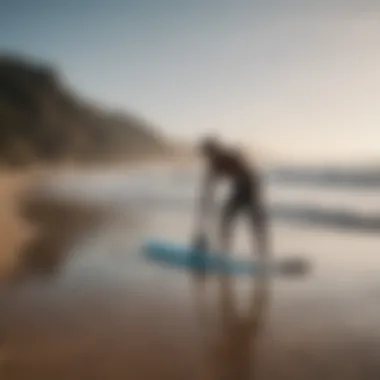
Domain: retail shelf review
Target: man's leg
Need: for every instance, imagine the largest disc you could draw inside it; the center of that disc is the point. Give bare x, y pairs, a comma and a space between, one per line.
228, 217
258, 222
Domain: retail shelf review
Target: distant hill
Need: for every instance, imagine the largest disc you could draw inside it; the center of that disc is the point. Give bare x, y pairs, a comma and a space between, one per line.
43, 121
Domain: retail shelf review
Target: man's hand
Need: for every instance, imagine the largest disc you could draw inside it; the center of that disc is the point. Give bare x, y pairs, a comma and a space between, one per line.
200, 243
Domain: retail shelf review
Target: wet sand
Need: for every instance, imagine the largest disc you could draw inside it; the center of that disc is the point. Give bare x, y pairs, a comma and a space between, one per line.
81, 303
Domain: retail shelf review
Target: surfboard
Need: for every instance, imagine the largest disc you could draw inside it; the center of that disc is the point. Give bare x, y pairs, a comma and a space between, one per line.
184, 257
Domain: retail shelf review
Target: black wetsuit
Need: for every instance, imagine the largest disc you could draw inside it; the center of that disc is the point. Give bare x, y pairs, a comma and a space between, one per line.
245, 195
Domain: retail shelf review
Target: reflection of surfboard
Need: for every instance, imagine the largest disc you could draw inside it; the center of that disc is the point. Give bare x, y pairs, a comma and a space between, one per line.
184, 257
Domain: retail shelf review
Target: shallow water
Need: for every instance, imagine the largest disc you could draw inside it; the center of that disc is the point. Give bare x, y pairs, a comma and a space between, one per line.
98, 310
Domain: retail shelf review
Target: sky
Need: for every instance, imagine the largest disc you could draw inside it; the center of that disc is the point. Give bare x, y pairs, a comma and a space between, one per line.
290, 78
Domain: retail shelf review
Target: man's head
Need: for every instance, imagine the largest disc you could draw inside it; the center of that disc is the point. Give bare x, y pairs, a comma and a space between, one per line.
210, 147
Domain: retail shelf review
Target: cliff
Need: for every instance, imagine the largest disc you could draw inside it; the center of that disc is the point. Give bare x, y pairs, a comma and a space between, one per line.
41, 120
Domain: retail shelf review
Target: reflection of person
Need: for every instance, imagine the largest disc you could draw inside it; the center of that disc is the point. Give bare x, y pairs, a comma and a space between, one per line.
231, 352
246, 196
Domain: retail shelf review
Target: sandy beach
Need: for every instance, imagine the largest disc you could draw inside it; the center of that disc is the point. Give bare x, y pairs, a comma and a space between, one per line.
78, 301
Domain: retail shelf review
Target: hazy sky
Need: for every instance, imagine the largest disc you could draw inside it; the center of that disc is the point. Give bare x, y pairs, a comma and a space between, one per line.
290, 77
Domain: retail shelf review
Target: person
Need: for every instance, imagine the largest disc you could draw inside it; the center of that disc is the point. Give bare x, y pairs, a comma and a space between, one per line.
246, 196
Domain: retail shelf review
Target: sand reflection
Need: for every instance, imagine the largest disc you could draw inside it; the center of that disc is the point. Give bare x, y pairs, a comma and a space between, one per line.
231, 350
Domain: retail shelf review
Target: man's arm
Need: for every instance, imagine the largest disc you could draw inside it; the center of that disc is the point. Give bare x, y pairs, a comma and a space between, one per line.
204, 206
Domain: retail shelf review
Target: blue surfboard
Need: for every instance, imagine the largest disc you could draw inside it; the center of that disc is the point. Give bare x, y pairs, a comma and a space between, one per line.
184, 257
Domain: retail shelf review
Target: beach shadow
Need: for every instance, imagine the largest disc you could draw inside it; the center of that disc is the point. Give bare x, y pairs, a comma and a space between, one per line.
231, 354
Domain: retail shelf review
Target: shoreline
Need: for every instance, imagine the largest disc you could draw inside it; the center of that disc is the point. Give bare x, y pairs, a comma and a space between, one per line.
108, 315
